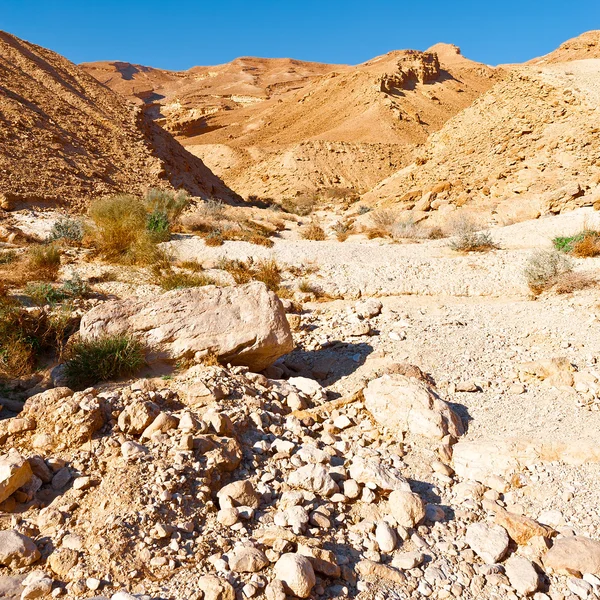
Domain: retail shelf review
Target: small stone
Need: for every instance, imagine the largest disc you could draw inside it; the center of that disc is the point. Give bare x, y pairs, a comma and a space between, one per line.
407, 560
296, 573
490, 542
17, 550
351, 489
522, 575
215, 588
385, 537
407, 508
245, 559
242, 493
228, 516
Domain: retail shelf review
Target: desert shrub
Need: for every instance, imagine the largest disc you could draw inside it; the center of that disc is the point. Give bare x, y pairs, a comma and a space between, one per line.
383, 221
543, 267
269, 272
473, 241
26, 335
44, 261
46, 293
166, 202
7, 257
240, 270
362, 209
343, 229
214, 238
102, 359
120, 234
159, 226
211, 209
302, 205
67, 229
583, 245
569, 282
313, 231
176, 280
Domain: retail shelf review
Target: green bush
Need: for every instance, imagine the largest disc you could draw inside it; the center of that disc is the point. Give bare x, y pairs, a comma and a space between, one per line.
67, 229
159, 226
103, 359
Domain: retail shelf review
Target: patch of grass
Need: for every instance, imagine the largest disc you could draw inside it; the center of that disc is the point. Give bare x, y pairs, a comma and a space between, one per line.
177, 280
7, 257
214, 238
103, 359
269, 272
543, 267
582, 245
191, 265
68, 229
26, 335
46, 293
44, 261
569, 282
120, 233
313, 231
240, 270
473, 242
343, 229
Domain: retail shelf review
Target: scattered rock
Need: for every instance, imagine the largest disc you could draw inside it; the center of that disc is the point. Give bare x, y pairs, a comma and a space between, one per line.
490, 542
17, 550
296, 573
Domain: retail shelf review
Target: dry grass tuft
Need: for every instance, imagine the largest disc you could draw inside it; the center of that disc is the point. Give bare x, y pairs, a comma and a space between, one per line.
43, 262
313, 231
544, 268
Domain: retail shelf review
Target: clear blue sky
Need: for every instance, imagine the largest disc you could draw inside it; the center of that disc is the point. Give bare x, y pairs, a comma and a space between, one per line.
178, 35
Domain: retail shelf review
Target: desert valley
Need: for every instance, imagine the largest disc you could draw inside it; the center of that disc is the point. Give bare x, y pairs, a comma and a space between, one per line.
280, 329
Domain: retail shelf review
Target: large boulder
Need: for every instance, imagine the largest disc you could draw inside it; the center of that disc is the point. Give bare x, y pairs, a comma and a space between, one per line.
404, 404
242, 325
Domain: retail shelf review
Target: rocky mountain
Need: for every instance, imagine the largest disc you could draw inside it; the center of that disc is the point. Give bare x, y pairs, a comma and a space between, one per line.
528, 146
278, 127
587, 45
65, 138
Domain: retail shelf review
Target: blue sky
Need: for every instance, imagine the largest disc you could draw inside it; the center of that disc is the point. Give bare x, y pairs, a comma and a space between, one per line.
178, 35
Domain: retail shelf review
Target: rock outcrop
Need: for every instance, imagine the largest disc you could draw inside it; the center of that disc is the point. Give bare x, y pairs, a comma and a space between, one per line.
242, 325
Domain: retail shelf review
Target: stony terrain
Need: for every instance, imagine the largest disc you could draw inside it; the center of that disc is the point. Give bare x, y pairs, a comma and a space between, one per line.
390, 417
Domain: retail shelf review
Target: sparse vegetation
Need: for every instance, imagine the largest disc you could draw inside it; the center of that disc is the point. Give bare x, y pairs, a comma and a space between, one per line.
44, 261
268, 271
103, 359
176, 280
68, 229
569, 282
301, 205
468, 239
46, 293
543, 267
7, 257
343, 229
583, 245
313, 231
25, 336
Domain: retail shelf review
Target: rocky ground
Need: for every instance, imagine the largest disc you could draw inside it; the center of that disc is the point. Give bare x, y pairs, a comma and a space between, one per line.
433, 434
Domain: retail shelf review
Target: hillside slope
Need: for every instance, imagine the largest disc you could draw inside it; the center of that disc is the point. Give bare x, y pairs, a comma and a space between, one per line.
64, 138
529, 146
275, 127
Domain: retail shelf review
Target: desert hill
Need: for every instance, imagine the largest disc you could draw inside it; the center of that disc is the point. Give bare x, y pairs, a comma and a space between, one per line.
66, 138
586, 45
274, 127
528, 146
